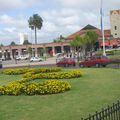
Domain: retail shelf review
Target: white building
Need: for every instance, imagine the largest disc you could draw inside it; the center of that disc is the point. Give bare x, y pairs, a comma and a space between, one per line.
23, 37
115, 23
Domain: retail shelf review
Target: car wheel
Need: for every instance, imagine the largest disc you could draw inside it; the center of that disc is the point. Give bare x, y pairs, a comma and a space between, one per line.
74, 64
97, 65
67, 65
104, 65
64, 65
81, 65
58, 65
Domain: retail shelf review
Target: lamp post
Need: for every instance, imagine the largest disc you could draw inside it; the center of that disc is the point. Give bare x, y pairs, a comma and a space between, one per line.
102, 28
32, 27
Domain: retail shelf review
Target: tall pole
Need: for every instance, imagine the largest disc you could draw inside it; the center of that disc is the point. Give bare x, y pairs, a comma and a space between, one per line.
102, 28
32, 42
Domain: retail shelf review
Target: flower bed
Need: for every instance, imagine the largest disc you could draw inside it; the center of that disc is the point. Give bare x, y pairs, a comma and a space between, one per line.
22, 87
55, 75
47, 87
32, 70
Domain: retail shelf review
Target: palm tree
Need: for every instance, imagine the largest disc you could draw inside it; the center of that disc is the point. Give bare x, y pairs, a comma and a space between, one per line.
35, 22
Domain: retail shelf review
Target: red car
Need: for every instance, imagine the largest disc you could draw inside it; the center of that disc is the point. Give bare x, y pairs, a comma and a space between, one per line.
66, 62
96, 61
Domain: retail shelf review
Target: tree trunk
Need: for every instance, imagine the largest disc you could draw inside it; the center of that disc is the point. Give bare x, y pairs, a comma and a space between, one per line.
35, 35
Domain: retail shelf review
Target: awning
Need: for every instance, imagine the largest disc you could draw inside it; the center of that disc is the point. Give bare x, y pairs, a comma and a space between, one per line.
106, 44
111, 43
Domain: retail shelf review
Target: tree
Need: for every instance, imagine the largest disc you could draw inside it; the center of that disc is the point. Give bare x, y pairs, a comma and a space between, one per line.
1, 45
77, 44
26, 42
12, 43
59, 39
91, 37
29, 51
35, 22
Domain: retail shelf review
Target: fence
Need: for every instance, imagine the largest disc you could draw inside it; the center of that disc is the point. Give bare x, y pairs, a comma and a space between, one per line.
109, 113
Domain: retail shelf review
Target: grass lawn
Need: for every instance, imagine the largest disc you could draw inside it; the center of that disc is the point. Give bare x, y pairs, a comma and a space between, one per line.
96, 89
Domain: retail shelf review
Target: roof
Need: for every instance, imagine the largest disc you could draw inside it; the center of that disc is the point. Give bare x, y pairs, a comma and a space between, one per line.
83, 31
115, 11
87, 28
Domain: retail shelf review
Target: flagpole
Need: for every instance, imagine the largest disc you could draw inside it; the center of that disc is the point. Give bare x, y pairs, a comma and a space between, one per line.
102, 29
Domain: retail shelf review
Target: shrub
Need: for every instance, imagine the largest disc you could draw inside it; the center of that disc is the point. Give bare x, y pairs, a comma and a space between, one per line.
31, 70
47, 87
55, 75
13, 89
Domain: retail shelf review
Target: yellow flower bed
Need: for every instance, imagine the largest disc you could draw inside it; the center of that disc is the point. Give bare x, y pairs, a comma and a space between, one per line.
47, 87
21, 87
32, 70
55, 75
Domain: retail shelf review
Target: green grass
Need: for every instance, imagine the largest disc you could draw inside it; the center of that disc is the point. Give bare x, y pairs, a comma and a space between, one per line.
96, 89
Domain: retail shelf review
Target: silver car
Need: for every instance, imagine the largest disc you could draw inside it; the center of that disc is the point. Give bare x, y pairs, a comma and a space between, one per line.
36, 59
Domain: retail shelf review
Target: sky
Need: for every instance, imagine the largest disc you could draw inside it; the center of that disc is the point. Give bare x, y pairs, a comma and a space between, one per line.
60, 17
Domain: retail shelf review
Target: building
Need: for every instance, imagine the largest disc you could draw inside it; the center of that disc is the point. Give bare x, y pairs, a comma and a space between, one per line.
23, 37
10, 52
115, 23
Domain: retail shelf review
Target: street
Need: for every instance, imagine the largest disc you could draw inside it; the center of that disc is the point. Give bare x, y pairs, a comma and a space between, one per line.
27, 63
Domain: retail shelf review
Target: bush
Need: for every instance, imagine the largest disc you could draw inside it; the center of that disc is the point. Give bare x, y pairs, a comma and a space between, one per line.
55, 75
12, 89
47, 87
21, 86
31, 70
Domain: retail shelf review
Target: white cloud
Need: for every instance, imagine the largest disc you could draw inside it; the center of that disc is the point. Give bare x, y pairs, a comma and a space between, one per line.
10, 30
19, 22
6, 5
11, 4
59, 16
49, 27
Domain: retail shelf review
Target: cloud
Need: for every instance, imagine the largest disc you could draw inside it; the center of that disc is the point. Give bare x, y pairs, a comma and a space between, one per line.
8, 21
9, 5
59, 17
10, 30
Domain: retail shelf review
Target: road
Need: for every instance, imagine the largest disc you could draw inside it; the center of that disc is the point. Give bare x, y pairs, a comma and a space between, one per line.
27, 63
50, 62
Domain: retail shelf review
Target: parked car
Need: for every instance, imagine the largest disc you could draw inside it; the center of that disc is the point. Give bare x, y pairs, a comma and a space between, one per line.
66, 62
3, 58
22, 57
36, 59
96, 61
1, 63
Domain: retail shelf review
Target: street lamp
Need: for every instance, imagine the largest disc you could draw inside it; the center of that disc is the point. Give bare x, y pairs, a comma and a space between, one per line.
102, 28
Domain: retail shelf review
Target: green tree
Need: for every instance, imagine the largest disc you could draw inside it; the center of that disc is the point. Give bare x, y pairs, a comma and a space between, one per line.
77, 45
12, 43
35, 22
29, 51
91, 37
59, 39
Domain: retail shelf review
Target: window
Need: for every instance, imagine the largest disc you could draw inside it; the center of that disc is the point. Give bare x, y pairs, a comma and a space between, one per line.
115, 27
